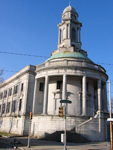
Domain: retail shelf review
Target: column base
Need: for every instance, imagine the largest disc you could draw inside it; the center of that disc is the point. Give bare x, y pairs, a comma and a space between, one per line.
44, 114
84, 115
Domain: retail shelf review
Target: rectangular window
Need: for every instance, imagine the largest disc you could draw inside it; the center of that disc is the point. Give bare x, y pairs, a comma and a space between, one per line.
3, 108
20, 104
14, 106
0, 108
8, 107
81, 85
87, 86
41, 87
10, 92
15, 89
5, 93
1, 95
22, 86
59, 84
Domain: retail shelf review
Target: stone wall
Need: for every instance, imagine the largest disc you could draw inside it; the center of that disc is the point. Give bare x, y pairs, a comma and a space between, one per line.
42, 125
12, 125
93, 129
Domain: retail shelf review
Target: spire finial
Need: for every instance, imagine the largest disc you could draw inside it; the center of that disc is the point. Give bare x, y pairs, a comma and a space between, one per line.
69, 3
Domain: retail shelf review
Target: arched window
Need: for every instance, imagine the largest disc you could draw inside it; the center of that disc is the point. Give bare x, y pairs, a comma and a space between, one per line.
73, 34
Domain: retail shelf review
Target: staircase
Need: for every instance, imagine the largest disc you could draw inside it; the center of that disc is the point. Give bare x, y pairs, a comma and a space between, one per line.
71, 137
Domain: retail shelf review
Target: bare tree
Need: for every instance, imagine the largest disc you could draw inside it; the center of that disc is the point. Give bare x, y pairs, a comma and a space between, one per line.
1, 78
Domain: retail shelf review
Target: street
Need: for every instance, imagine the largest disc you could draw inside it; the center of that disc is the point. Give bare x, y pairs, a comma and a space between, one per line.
3, 145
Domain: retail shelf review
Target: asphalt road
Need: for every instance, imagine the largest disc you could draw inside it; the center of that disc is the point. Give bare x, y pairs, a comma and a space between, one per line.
4, 146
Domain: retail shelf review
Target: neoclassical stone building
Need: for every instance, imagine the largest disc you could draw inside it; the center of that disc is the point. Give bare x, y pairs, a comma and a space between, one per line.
67, 74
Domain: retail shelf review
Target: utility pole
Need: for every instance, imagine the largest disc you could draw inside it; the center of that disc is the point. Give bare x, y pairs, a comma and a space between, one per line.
30, 118
65, 128
29, 134
111, 135
65, 102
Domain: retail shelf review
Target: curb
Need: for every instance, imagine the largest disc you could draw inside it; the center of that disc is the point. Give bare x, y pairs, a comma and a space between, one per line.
20, 148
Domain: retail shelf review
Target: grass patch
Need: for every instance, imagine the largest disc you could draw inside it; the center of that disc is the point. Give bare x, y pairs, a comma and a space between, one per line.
6, 134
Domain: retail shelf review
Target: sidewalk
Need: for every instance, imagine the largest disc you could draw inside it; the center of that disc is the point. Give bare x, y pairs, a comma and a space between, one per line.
35, 144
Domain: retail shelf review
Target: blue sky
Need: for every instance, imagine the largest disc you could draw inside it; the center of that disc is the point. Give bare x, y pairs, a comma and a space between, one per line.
30, 27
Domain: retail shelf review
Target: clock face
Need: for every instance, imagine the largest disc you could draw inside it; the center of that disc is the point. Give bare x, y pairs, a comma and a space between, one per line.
73, 16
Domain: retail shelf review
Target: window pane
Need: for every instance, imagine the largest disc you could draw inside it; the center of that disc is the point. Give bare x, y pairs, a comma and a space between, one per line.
59, 84
3, 108
41, 87
14, 106
22, 85
0, 108
5, 94
8, 107
15, 89
1, 95
20, 104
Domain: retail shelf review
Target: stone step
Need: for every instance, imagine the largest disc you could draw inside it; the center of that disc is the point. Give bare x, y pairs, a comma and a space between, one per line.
71, 137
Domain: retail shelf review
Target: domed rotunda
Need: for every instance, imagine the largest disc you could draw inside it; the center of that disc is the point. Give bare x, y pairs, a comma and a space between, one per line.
67, 75
70, 75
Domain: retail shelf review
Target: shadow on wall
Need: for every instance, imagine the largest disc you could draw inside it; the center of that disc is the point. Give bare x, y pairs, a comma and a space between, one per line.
71, 137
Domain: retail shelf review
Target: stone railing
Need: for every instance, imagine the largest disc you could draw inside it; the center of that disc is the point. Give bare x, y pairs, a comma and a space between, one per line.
70, 63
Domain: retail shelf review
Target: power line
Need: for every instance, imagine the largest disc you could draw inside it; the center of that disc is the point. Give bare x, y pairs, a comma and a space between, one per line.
104, 63
40, 56
10, 71
22, 54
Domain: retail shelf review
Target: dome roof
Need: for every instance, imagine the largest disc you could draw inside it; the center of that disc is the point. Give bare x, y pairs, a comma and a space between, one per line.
69, 8
68, 54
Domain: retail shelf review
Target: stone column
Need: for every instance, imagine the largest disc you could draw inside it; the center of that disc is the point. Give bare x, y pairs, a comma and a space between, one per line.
18, 99
54, 103
35, 95
64, 86
99, 95
45, 95
6, 103
2, 103
84, 109
25, 96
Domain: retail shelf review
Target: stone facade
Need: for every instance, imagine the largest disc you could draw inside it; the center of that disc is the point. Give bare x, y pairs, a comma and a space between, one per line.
67, 74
